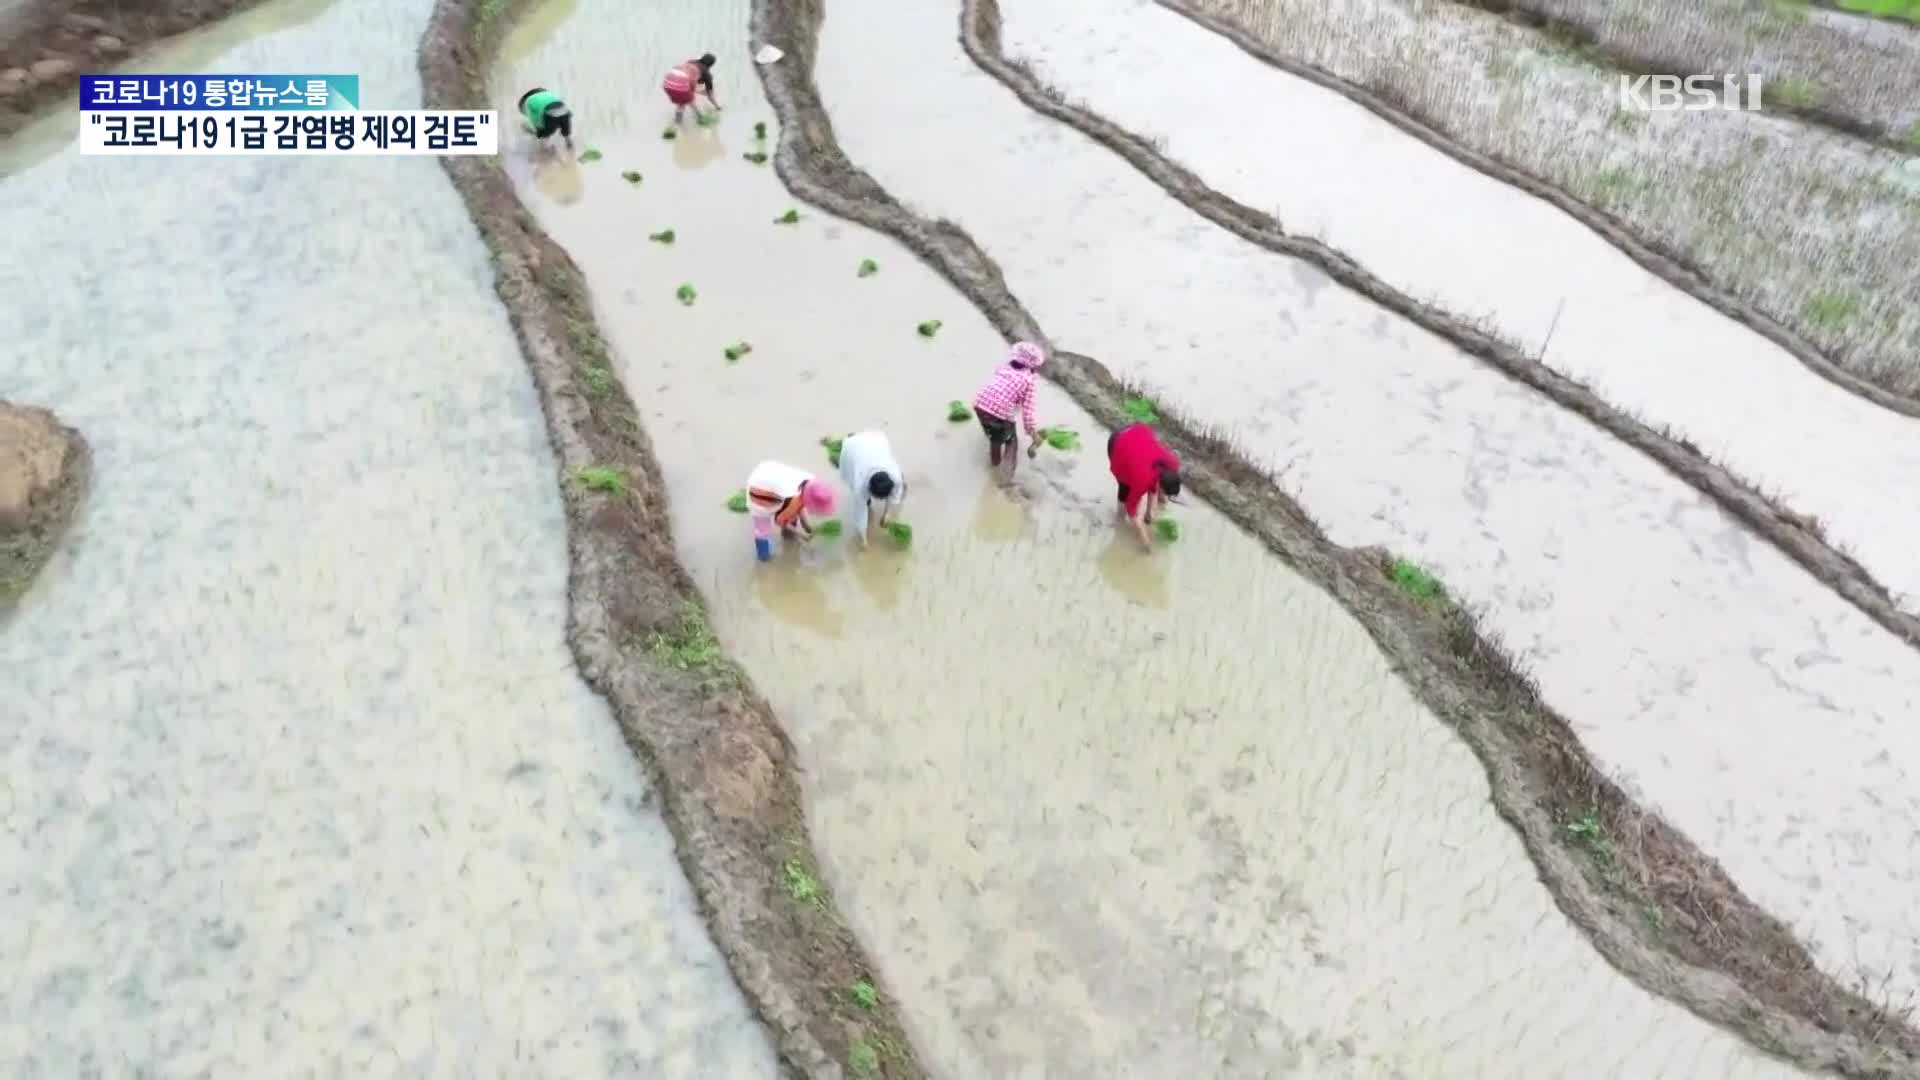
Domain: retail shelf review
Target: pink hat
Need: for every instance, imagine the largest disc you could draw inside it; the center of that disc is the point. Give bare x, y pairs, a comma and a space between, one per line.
819, 496
1026, 354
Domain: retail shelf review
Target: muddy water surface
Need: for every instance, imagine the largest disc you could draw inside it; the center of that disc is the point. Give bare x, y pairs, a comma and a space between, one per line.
1761, 714
300, 777
1334, 170
1094, 812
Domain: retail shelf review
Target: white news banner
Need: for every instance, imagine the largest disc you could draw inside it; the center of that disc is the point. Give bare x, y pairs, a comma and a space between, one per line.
404, 131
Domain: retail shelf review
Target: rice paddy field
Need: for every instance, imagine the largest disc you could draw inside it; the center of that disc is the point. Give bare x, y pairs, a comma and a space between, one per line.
1818, 230
307, 772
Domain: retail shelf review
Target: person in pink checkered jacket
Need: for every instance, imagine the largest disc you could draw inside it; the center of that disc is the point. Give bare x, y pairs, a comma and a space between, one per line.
1010, 392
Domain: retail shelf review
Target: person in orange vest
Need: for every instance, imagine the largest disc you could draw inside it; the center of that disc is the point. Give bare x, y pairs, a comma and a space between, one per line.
685, 80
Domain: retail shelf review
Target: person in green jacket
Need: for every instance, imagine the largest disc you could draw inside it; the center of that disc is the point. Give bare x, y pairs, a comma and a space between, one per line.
546, 113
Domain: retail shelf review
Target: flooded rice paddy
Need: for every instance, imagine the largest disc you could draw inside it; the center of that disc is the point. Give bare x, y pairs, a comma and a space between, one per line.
298, 766
1093, 812
1761, 714
1335, 171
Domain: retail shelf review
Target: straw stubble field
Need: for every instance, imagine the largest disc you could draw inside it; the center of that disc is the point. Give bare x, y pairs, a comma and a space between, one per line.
1817, 230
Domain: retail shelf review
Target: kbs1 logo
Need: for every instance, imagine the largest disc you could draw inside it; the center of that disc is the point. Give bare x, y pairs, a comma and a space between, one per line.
1692, 93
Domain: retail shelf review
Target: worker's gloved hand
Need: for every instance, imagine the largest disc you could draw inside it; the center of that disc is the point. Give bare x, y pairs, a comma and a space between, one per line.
1033, 450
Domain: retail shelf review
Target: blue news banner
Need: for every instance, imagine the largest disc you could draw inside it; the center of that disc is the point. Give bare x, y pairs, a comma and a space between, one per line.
266, 115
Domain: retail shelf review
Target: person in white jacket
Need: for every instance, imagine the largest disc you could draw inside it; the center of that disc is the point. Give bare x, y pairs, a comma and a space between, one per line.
868, 466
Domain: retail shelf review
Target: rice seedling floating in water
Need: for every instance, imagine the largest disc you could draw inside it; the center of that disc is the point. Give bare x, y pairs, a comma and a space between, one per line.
1415, 581
1060, 438
868, 268
1166, 528
957, 412
829, 528
603, 479
929, 328
737, 502
686, 295
706, 119
669, 134
1140, 409
901, 532
756, 157
590, 155
737, 350
630, 176
664, 236
759, 129
832, 443
790, 217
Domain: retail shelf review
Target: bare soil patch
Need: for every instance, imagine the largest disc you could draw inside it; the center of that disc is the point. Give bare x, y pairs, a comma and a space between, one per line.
45, 469
49, 44
1810, 240
1660, 910
639, 633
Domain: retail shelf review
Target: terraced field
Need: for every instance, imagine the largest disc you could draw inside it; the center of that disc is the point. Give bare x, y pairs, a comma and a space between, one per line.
404, 698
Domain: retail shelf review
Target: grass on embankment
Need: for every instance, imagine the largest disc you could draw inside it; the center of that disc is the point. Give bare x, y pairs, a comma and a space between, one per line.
1658, 908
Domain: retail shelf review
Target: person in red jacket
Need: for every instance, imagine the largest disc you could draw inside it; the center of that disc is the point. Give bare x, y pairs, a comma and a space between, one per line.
1148, 475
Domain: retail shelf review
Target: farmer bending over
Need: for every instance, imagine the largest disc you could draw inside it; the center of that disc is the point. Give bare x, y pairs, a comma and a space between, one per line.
546, 113
780, 496
868, 466
1010, 391
1148, 475
684, 79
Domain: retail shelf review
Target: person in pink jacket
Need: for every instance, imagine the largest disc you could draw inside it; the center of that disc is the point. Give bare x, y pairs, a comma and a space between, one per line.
1010, 392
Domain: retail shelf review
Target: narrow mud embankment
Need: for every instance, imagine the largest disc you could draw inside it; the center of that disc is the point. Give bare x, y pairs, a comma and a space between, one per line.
638, 627
1655, 905
1797, 535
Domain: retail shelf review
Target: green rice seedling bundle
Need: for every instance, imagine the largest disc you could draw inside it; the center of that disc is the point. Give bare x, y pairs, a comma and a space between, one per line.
928, 328
664, 236
1166, 528
1060, 438
737, 350
958, 412
1140, 409
791, 217
868, 268
737, 502
590, 155
669, 134
829, 528
686, 295
759, 129
901, 532
755, 156
832, 443
630, 176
